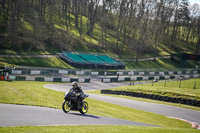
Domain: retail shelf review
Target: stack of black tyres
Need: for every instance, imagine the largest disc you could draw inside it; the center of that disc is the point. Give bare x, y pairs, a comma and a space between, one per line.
191, 102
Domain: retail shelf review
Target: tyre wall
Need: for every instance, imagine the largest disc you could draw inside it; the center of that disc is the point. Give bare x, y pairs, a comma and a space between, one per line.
154, 97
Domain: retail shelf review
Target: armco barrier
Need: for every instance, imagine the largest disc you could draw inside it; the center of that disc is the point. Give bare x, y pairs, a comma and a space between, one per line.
19, 78
39, 78
57, 79
56, 71
154, 97
49, 79
140, 78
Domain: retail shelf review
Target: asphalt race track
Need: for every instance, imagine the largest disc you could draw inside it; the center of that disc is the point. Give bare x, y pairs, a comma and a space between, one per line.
171, 111
94, 85
21, 115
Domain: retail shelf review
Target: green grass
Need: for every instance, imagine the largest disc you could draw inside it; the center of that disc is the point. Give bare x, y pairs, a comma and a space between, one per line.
37, 62
147, 100
29, 93
116, 111
97, 31
172, 89
161, 64
49, 50
33, 93
95, 129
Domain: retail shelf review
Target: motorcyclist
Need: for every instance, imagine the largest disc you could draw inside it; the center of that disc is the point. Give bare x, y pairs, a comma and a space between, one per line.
78, 91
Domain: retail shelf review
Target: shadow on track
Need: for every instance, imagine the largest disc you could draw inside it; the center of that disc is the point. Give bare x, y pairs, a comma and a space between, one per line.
85, 115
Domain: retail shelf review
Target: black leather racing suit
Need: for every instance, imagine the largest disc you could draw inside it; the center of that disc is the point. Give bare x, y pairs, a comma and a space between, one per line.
80, 93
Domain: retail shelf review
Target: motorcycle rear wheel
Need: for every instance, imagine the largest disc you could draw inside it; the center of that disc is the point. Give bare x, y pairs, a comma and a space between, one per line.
65, 106
84, 109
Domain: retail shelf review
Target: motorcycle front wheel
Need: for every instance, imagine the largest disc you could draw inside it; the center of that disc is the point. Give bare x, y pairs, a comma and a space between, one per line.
66, 106
84, 109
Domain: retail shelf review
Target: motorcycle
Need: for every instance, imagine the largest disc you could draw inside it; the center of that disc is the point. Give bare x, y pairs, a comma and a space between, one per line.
73, 102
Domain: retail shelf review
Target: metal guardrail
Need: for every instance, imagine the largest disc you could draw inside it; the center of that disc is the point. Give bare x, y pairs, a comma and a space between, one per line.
55, 72
46, 71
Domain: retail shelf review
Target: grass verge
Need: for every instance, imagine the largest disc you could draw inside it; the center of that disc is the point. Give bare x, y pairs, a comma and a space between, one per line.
183, 89
95, 129
161, 64
36, 61
147, 100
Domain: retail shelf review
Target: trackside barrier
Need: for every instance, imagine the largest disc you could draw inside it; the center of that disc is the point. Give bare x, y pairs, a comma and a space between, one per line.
19, 78
49, 79
55, 71
191, 102
140, 78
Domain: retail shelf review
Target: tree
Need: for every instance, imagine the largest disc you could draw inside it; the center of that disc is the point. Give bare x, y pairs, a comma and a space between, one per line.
176, 21
65, 9
121, 14
198, 30
157, 24
194, 12
104, 15
141, 33
185, 14
82, 9
93, 6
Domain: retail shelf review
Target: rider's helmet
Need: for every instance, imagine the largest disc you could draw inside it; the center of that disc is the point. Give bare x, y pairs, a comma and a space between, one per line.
74, 84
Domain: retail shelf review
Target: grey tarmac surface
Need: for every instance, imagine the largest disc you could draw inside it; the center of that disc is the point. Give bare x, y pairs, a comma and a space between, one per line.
183, 113
22, 115
94, 85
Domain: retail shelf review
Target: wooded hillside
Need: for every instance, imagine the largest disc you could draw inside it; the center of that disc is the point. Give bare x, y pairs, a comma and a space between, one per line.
133, 27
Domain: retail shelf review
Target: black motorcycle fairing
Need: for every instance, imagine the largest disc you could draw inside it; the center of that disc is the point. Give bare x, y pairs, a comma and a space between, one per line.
75, 101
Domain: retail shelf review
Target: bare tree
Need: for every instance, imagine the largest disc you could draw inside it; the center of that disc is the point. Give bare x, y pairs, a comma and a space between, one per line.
104, 22
198, 30
82, 8
121, 14
175, 22
65, 9
92, 15
194, 12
